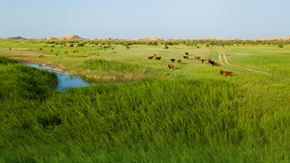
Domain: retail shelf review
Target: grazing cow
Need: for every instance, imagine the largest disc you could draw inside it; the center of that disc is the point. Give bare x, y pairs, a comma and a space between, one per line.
157, 58
151, 57
185, 57
39, 56
186, 53
154, 55
202, 61
212, 63
170, 66
226, 73
172, 60
208, 60
198, 57
179, 61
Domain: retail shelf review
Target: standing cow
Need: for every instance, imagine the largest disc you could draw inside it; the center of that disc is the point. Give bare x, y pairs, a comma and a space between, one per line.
170, 66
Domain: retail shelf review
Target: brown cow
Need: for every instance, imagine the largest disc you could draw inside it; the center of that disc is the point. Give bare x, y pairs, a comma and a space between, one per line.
154, 55
151, 57
226, 73
179, 61
212, 63
157, 58
170, 66
185, 57
172, 60
39, 56
186, 53
208, 61
197, 57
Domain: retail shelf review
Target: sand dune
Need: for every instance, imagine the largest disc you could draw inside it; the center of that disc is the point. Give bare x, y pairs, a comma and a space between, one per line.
104, 38
149, 38
69, 37
50, 38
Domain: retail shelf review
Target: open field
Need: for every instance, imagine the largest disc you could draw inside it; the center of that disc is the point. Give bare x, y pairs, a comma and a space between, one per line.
188, 114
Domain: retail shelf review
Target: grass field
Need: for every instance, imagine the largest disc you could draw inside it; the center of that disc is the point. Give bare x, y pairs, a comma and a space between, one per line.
188, 114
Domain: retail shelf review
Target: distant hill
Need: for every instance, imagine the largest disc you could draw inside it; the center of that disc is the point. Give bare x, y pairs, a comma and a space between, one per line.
149, 38
13, 38
69, 37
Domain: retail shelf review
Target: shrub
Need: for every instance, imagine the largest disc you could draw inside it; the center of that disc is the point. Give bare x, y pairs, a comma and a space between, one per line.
52, 46
80, 44
280, 45
127, 46
207, 45
65, 52
166, 46
9, 48
71, 45
40, 49
197, 46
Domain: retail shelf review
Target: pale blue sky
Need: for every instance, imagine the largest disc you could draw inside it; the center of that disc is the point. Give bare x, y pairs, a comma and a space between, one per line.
179, 19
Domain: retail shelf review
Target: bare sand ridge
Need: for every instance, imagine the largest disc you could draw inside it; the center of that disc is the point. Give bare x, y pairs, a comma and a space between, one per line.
149, 38
69, 37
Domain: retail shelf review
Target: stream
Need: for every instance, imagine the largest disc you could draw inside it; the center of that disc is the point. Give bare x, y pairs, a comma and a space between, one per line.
65, 80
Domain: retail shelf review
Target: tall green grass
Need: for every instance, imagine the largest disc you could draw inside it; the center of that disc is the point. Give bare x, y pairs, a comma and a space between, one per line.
24, 81
110, 66
153, 120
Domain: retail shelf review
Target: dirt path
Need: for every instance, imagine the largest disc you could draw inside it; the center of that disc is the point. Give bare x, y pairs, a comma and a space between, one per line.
235, 66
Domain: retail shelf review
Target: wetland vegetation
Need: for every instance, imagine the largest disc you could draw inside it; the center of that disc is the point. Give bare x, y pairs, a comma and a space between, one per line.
188, 114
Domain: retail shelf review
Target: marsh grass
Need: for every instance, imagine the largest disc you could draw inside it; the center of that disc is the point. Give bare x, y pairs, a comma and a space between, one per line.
189, 114
24, 81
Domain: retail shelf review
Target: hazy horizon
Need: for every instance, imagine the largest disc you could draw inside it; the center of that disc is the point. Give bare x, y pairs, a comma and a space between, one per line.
137, 19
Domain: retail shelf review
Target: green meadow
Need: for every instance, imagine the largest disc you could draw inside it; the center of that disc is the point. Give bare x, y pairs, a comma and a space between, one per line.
187, 114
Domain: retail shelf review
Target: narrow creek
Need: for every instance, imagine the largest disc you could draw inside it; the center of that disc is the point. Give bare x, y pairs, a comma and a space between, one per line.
65, 80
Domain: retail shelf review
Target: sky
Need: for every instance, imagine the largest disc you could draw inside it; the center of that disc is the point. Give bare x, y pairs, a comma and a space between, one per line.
180, 19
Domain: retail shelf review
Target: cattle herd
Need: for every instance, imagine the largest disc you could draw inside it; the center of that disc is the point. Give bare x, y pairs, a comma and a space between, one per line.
171, 66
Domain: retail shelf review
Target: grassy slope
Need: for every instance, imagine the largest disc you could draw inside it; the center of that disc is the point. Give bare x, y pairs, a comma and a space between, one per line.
196, 116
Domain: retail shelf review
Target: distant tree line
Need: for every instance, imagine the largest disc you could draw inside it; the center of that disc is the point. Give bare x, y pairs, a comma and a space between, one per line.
71, 43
